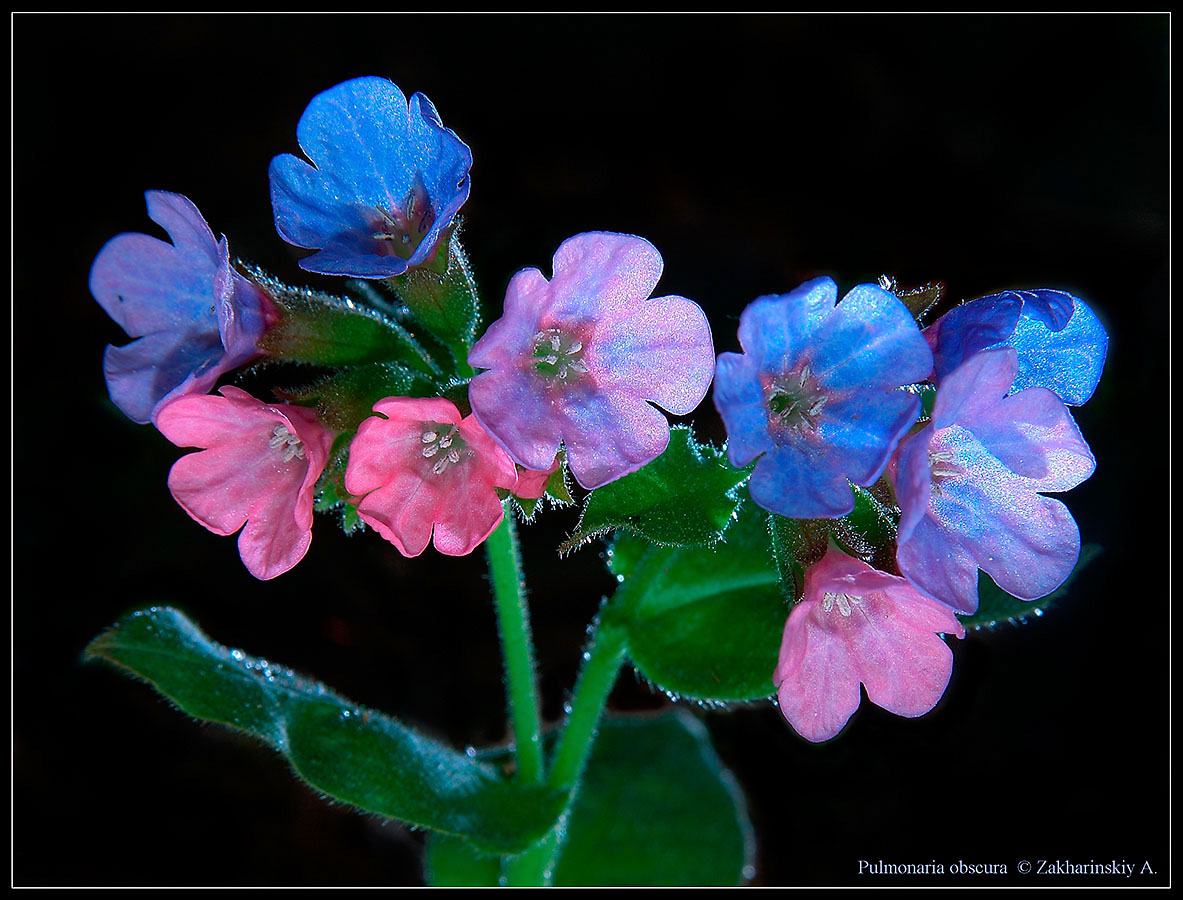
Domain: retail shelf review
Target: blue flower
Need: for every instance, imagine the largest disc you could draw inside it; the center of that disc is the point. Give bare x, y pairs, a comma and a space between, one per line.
194, 316
816, 394
1061, 343
971, 487
387, 181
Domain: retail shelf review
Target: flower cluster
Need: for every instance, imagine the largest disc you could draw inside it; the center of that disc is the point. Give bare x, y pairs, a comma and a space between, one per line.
825, 396
573, 364
423, 427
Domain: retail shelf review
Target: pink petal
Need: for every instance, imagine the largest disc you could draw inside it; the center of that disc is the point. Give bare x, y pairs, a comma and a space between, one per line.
597, 272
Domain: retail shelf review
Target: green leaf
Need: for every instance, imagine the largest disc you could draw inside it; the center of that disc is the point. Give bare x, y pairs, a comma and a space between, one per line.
445, 303
706, 622
686, 497
453, 862
349, 753
624, 552
345, 399
324, 330
996, 606
655, 808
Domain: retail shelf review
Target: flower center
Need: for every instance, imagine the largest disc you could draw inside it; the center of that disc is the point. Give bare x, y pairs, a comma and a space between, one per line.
401, 228
558, 357
287, 443
443, 445
845, 602
795, 399
942, 468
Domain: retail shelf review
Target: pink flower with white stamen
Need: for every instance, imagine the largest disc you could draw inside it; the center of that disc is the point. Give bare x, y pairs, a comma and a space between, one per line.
257, 471
421, 467
856, 625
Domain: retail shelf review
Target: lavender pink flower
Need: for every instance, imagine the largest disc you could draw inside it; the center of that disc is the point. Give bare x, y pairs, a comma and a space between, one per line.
971, 487
856, 625
257, 471
579, 360
420, 468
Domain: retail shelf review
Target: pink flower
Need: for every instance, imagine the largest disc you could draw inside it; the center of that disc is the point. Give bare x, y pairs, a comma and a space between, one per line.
422, 466
856, 624
258, 467
580, 359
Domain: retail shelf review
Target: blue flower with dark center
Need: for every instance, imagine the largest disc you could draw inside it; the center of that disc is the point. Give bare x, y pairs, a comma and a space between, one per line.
385, 183
1060, 342
816, 395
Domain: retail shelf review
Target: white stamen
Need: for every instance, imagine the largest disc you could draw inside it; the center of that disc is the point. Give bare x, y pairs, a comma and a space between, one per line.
846, 602
428, 437
293, 447
431, 450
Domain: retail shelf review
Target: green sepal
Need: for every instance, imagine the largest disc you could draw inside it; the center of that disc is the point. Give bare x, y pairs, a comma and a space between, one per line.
557, 492
330, 489
351, 754
345, 399
920, 300
445, 302
996, 606
655, 808
320, 329
867, 532
686, 497
705, 622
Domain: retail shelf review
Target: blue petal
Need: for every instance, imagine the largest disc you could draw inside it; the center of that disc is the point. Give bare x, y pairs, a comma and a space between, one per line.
802, 482
864, 430
739, 398
974, 326
870, 340
776, 329
1068, 361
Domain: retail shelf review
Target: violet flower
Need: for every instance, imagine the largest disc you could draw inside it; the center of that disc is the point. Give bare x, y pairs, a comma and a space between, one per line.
970, 487
257, 471
419, 466
1060, 342
856, 625
386, 181
579, 359
815, 396
194, 317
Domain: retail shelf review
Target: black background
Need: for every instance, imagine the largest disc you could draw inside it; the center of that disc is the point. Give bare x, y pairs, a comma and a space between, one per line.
754, 152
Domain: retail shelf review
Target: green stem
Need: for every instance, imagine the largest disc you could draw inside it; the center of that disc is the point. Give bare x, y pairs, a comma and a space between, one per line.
602, 661
513, 621
535, 867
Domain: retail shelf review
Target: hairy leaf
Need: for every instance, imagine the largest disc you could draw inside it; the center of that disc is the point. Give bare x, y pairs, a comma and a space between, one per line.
352, 754
686, 497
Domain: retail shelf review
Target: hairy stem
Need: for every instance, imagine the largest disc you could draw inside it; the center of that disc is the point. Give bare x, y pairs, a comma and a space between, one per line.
517, 650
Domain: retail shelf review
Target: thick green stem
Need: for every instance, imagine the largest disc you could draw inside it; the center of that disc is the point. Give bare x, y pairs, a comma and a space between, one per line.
513, 621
